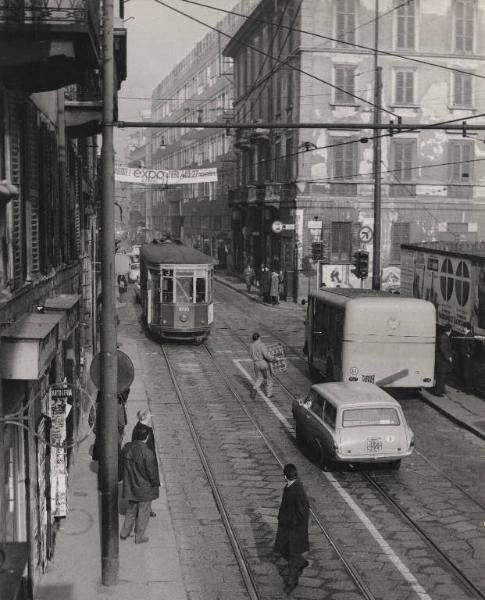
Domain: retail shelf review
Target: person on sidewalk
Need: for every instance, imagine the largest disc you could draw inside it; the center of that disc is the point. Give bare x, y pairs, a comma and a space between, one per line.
249, 277
145, 420
140, 484
274, 288
465, 347
262, 360
444, 360
265, 281
292, 533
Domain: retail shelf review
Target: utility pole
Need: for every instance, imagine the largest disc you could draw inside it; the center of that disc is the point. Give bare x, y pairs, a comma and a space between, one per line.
376, 254
108, 429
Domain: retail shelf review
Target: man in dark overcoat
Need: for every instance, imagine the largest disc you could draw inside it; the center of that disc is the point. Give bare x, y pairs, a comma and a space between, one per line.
292, 534
465, 346
444, 360
140, 484
265, 283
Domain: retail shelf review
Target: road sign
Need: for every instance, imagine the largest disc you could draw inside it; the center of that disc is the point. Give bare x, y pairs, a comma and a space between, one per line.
366, 234
277, 226
125, 375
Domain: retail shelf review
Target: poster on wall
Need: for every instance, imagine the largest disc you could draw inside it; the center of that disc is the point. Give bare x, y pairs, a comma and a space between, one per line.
59, 408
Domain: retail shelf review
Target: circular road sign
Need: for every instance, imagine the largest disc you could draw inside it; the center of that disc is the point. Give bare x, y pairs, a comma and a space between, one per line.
366, 234
277, 226
125, 374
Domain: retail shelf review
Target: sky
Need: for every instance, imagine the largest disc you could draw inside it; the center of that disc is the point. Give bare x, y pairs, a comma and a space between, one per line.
158, 39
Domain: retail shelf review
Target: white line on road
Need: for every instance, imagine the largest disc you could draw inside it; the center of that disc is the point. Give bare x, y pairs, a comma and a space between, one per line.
371, 528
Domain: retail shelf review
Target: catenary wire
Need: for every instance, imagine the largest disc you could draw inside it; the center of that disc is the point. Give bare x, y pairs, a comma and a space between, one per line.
331, 39
312, 76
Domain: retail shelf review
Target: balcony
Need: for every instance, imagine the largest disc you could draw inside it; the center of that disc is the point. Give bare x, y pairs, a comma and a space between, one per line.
48, 44
84, 108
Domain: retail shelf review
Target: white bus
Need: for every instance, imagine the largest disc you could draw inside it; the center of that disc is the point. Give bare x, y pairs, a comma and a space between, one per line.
371, 336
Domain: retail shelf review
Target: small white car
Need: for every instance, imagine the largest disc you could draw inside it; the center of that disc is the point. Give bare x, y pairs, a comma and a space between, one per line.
351, 422
134, 272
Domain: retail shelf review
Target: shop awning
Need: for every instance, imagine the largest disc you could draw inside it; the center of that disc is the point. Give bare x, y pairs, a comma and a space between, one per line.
65, 305
28, 346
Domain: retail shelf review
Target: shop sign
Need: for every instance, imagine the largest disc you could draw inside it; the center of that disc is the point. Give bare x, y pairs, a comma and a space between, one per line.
59, 395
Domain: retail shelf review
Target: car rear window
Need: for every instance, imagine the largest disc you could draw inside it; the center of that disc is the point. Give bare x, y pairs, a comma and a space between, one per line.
358, 417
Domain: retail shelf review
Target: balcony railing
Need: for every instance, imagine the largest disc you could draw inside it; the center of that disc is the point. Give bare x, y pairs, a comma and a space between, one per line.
50, 12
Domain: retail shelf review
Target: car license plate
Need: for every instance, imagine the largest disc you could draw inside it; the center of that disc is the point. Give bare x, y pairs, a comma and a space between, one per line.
374, 445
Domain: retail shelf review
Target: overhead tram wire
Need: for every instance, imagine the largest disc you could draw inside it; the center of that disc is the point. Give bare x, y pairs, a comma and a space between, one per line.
331, 39
181, 12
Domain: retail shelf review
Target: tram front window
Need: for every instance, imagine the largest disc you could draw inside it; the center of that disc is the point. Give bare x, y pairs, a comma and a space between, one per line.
200, 289
167, 285
184, 290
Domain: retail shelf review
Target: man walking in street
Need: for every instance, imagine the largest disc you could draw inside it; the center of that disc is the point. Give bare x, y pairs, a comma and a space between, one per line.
140, 484
249, 276
444, 360
145, 420
265, 282
292, 534
465, 347
262, 360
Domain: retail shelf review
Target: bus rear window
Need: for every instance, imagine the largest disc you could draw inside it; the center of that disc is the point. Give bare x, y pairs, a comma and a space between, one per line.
361, 417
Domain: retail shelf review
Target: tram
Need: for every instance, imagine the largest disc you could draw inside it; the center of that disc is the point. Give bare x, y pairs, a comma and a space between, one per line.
176, 291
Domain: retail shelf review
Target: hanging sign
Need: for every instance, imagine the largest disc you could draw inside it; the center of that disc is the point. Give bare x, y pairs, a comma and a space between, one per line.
146, 176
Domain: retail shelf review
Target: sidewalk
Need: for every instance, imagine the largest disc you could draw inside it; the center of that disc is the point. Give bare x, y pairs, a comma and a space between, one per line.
465, 410
150, 571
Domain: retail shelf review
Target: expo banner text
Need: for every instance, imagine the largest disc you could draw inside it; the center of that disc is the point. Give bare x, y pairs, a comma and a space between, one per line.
143, 175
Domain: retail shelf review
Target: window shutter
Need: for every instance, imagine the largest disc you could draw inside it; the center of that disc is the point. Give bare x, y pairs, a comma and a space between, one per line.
409, 94
400, 86
14, 116
32, 170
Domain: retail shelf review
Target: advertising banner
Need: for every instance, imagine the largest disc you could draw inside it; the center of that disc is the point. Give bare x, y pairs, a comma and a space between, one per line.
58, 411
145, 176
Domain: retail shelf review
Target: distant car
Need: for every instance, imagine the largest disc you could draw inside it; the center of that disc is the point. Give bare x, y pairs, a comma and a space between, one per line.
134, 272
352, 422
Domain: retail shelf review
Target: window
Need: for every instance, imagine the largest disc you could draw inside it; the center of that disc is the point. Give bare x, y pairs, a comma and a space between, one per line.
405, 26
446, 279
361, 417
277, 161
330, 414
167, 285
461, 153
346, 16
403, 161
184, 287
317, 405
344, 79
344, 167
464, 29
399, 235
462, 89
462, 284
341, 241
404, 92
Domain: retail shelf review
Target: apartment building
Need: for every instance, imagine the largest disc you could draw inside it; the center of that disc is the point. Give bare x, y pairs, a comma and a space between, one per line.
50, 114
318, 183
199, 88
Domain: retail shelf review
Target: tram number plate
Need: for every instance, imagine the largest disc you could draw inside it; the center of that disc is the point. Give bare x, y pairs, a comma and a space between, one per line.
374, 445
184, 309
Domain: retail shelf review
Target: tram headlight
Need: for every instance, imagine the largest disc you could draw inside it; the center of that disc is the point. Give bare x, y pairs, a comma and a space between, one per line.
183, 317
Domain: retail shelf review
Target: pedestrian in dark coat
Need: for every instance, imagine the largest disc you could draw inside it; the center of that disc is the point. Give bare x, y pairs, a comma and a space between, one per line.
145, 420
292, 534
274, 288
444, 360
465, 347
140, 484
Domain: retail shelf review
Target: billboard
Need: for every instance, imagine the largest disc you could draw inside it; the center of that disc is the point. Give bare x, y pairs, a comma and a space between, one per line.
142, 175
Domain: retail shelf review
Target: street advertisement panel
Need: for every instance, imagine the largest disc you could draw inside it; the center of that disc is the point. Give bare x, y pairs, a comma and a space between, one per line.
59, 395
454, 284
146, 176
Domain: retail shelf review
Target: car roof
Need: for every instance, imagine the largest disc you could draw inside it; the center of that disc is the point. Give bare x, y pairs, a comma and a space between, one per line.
346, 394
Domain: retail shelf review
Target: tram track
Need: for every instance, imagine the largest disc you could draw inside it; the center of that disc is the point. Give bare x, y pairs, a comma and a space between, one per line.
238, 548
442, 556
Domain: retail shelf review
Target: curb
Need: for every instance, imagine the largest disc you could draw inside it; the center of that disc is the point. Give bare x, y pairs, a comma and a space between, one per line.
236, 289
461, 423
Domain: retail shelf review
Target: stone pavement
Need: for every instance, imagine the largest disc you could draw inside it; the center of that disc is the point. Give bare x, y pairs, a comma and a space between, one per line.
465, 410
150, 571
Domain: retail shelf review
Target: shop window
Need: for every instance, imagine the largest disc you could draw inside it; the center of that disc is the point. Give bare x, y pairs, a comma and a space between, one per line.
462, 283
446, 280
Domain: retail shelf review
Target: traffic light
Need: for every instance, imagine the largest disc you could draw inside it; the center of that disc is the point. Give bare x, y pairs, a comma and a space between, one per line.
361, 264
318, 250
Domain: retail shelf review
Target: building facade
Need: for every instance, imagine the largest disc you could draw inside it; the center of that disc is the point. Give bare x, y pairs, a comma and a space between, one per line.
313, 61
50, 114
199, 88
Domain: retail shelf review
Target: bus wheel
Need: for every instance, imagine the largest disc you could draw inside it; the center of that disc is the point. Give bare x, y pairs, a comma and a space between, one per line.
395, 464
